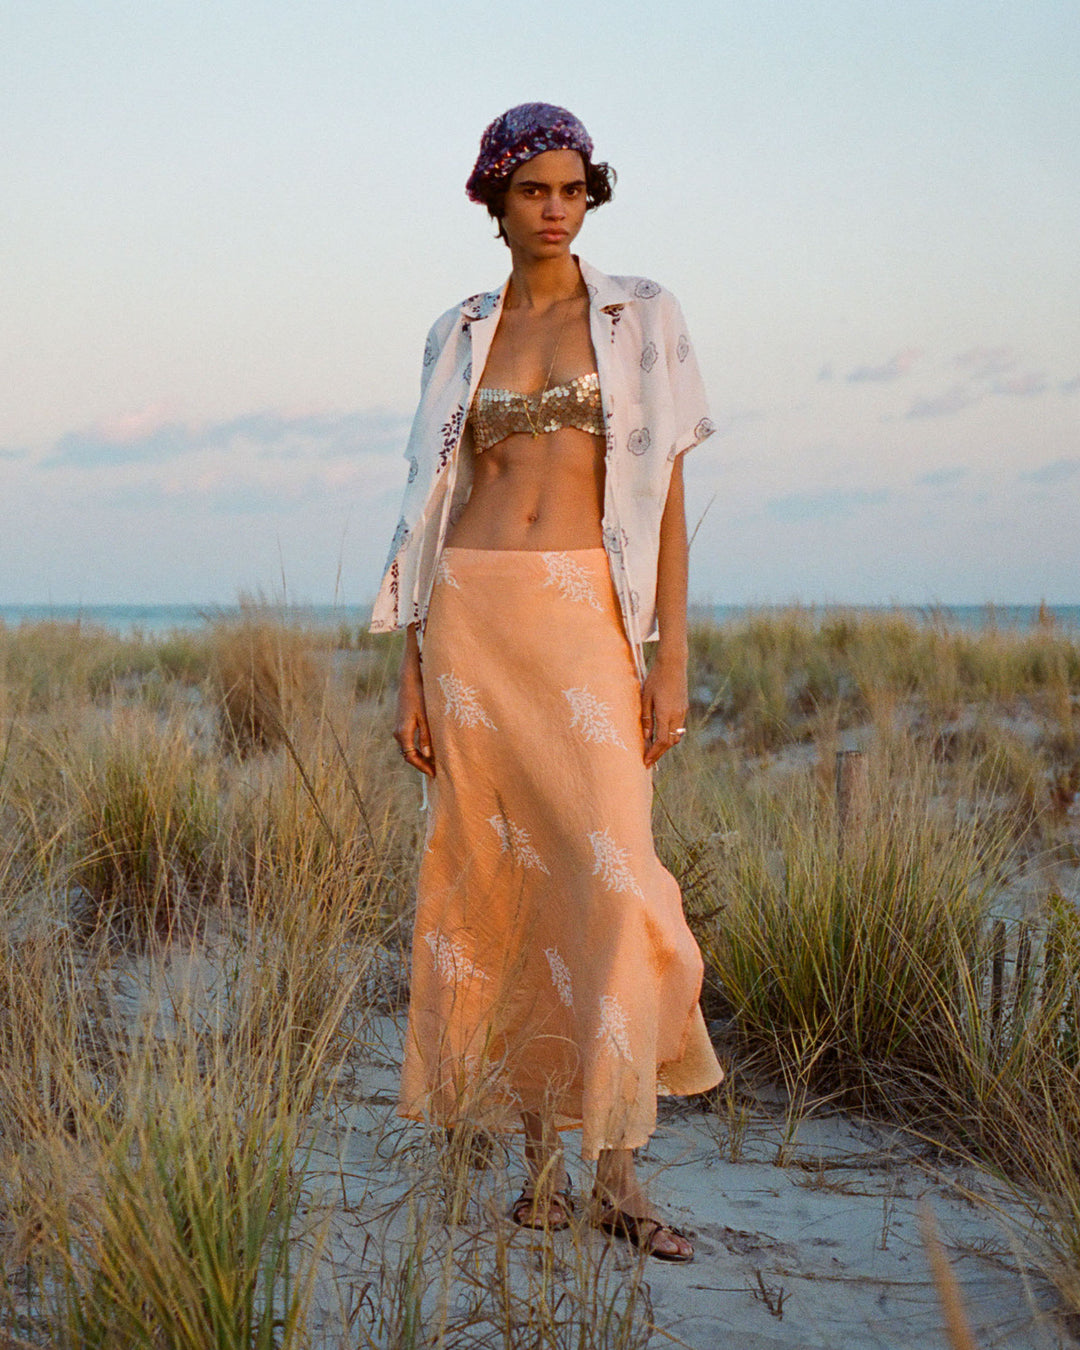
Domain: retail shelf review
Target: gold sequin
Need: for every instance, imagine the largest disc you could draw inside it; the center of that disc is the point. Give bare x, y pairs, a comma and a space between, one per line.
498, 413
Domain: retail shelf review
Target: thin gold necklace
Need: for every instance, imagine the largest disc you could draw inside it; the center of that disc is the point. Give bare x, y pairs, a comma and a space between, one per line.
526, 399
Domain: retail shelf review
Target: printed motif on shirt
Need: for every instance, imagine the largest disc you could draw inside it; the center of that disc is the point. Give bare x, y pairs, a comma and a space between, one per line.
639, 441
451, 434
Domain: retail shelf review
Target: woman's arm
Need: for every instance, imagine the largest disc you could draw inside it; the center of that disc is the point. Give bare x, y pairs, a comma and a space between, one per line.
664, 698
411, 731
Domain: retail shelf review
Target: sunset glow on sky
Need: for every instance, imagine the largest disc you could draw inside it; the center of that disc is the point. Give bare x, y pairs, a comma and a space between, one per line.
227, 229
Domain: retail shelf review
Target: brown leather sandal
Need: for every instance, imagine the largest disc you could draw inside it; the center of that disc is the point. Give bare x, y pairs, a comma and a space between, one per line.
527, 1212
642, 1231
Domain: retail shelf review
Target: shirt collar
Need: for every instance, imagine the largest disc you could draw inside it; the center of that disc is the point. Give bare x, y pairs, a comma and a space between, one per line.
605, 293
483, 305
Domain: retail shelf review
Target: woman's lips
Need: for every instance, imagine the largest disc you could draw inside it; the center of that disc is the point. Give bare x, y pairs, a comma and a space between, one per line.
552, 236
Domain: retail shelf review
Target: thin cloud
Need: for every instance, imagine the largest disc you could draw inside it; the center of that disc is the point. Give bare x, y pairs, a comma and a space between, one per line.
896, 366
1022, 386
272, 434
1056, 471
801, 506
952, 401
987, 363
250, 488
89, 449
1070, 386
11, 454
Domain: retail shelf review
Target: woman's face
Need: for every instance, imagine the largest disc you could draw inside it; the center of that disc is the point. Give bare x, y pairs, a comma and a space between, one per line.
545, 204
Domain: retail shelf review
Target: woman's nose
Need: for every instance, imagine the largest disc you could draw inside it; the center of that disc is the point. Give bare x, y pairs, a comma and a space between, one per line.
554, 209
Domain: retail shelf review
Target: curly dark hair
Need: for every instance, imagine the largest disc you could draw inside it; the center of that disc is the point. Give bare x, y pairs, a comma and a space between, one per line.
599, 188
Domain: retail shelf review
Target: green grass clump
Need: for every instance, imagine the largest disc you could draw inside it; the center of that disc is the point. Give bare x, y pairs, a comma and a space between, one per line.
143, 828
189, 1240
836, 961
266, 678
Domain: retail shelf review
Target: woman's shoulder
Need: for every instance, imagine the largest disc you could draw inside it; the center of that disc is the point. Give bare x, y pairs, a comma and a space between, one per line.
655, 304
635, 287
476, 306
444, 324
642, 288
440, 333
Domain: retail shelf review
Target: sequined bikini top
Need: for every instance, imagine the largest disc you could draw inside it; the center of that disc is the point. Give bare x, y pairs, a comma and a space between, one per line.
498, 413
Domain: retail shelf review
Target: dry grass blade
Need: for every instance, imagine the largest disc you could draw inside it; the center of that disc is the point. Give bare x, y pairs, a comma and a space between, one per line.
957, 1327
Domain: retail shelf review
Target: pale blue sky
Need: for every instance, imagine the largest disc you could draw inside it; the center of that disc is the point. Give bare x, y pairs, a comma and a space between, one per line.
226, 227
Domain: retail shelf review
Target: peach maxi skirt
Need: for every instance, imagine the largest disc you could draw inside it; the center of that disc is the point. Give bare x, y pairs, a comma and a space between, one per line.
552, 969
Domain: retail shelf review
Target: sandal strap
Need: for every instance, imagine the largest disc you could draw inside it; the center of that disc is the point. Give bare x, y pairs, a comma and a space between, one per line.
642, 1231
527, 1200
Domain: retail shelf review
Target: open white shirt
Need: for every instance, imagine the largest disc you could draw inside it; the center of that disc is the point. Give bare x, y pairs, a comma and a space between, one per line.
654, 409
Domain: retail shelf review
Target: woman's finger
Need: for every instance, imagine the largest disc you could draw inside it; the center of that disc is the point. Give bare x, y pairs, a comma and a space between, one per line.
407, 735
423, 741
670, 728
647, 724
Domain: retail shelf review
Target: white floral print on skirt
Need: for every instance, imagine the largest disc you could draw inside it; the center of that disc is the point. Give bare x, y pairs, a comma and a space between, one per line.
552, 970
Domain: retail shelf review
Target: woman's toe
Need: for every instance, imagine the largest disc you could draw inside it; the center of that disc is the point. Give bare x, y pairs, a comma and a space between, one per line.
670, 1244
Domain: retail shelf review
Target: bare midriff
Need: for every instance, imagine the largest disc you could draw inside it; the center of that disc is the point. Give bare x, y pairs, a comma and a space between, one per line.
535, 492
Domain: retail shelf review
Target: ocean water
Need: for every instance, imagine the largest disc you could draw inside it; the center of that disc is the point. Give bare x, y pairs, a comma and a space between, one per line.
158, 620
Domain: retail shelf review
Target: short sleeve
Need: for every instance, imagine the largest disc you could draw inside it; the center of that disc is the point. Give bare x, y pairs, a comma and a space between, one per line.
692, 421
432, 346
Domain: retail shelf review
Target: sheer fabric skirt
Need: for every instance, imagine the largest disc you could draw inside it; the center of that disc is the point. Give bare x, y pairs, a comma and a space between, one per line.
552, 969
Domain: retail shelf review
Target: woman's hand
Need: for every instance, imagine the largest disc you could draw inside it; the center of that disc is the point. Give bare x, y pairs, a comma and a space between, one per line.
664, 704
411, 729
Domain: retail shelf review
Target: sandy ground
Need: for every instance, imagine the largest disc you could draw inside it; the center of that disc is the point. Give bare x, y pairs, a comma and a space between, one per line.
809, 1239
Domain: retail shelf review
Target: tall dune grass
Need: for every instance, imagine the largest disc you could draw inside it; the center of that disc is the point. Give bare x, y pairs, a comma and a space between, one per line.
207, 855
841, 961
772, 675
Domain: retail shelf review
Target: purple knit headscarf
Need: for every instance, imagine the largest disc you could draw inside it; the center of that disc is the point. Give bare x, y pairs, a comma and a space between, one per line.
521, 134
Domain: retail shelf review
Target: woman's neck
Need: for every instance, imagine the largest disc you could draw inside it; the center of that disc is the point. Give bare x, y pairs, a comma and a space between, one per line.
539, 283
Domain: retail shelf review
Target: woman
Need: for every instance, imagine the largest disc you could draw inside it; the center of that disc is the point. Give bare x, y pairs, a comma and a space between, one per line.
542, 541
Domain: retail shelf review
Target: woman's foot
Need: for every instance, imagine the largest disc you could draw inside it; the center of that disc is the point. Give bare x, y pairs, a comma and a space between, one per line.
549, 1209
622, 1209
541, 1204
646, 1233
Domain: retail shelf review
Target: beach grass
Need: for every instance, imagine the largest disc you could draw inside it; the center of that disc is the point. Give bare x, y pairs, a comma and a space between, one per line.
207, 856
